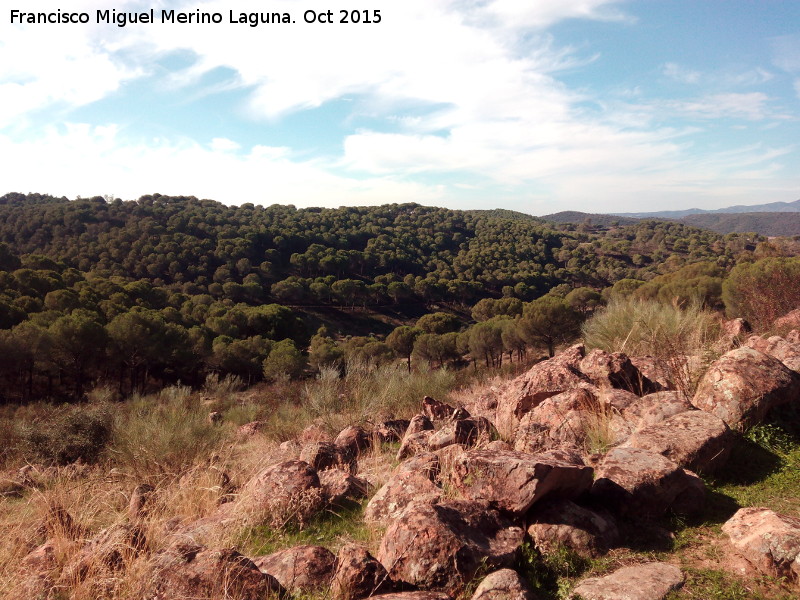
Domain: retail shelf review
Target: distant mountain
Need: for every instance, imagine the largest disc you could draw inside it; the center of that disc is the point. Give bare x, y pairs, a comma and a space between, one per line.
504, 213
766, 223
771, 207
574, 216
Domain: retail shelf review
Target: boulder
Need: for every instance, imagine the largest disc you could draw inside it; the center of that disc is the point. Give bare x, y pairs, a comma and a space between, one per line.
768, 540
314, 433
300, 569
614, 370
420, 595
465, 432
542, 381
744, 385
733, 334
250, 429
419, 423
640, 483
694, 439
358, 574
339, 486
787, 322
564, 523
652, 581
514, 481
289, 490
777, 347
505, 584
137, 505
411, 482
436, 410
392, 431
191, 571
441, 546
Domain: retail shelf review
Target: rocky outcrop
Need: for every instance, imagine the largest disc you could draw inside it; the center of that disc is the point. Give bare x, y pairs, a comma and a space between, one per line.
339, 486
514, 481
411, 482
656, 371
744, 385
767, 540
322, 455
465, 432
652, 581
694, 439
505, 584
563, 523
299, 569
640, 483
436, 410
441, 546
290, 490
614, 370
352, 441
777, 347
654, 408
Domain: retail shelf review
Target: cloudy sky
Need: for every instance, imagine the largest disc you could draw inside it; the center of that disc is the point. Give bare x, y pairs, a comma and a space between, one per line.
532, 105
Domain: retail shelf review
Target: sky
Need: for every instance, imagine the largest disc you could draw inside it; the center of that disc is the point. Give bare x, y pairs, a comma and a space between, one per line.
532, 105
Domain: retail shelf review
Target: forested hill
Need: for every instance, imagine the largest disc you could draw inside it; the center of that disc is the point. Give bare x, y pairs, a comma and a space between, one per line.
356, 255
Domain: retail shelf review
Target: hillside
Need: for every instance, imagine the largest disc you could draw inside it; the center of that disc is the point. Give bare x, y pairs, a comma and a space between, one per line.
791, 207
572, 216
771, 224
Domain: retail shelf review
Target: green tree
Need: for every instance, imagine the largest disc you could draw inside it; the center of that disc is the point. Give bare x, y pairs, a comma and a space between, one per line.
549, 321
284, 360
401, 341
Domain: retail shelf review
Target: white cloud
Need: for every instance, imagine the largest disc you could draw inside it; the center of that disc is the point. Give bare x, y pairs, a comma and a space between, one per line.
682, 74
752, 106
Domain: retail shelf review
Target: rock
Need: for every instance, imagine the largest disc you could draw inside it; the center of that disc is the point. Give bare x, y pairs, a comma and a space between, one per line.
322, 455
652, 581
656, 371
466, 432
654, 408
353, 441
694, 439
110, 550
190, 571
411, 482
788, 321
514, 481
564, 523
793, 336
498, 445
768, 540
777, 347
215, 417
733, 334
744, 385
641, 483
314, 433
436, 410
286, 491
339, 486
419, 423
250, 429
441, 546
358, 574
36, 578
300, 569
392, 431
414, 443
505, 584
414, 596
614, 370
544, 380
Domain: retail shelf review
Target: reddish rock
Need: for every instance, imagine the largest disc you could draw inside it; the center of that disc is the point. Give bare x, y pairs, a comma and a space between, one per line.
36, 578
109, 550
744, 385
733, 334
441, 546
785, 351
694, 439
641, 483
322, 455
250, 429
544, 380
288, 488
406, 486
514, 481
505, 584
137, 505
191, 571
564, 523
314, 433
465, 432
339, 486
300, 569
414, 596
419, 423
353, 441
654, 408
787, 322
653, 581
358, 575
436, 410
767, 540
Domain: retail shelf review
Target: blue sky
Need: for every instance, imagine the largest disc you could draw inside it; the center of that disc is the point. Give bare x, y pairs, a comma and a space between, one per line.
535, 105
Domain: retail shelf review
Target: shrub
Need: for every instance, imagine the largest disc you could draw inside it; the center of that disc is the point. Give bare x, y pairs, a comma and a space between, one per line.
762, 291
69, 435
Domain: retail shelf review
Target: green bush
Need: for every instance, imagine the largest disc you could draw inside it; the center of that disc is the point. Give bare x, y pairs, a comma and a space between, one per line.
69, 435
